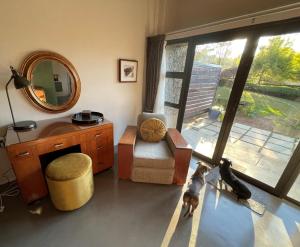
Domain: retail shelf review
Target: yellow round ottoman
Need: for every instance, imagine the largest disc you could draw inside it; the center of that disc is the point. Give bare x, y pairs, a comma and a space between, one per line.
70, 181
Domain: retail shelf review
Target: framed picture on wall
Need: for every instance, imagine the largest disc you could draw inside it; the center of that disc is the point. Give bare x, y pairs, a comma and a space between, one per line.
128, 70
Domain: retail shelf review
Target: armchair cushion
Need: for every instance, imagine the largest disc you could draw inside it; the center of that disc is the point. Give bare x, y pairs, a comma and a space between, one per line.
153, 130
150, 175
153, 155
144, 116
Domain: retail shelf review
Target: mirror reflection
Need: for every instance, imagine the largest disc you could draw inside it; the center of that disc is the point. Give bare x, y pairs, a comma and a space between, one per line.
51, 82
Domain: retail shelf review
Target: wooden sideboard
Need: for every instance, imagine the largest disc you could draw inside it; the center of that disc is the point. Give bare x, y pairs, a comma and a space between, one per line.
30, 152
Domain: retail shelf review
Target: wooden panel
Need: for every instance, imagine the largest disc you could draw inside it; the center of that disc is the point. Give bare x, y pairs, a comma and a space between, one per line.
203, 85
51, 128
177, 139
182, 152
125, 152
129, 135
27, 168
101, 150
58, 143
182, 163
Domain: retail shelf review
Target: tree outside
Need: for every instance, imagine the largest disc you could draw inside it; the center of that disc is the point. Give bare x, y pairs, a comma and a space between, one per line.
271, 99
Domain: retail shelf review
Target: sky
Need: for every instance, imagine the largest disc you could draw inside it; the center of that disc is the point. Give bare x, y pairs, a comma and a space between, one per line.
238, 45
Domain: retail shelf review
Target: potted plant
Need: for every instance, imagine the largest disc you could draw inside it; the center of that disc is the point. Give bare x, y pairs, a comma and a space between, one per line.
215, 112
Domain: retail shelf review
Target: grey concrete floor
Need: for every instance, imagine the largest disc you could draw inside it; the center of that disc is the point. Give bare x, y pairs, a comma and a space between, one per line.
123, 213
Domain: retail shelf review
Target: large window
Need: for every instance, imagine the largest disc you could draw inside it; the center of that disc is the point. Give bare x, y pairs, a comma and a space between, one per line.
236, 94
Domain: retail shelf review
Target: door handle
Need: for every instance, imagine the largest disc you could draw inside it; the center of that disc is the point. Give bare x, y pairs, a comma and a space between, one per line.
23, 154
58, 145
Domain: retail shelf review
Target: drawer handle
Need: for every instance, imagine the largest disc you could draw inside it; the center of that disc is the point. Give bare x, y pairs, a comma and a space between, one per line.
58, 145
23, 154
98, 135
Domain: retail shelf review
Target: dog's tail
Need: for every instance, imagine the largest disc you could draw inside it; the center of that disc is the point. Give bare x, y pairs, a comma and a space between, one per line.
187, 211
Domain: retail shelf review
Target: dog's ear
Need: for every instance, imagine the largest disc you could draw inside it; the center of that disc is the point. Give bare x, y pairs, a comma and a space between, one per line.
229, 161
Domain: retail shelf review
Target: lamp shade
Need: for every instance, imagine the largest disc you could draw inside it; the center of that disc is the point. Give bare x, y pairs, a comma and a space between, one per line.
19, 81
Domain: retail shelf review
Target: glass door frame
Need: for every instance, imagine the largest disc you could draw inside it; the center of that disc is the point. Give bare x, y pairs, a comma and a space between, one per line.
252, 34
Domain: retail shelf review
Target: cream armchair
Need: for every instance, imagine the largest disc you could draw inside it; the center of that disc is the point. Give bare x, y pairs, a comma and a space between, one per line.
163, 162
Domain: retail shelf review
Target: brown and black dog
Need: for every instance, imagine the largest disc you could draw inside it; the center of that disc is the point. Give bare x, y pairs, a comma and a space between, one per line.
191, 196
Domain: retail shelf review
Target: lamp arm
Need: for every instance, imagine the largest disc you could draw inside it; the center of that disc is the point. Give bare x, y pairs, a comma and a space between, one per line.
6, 88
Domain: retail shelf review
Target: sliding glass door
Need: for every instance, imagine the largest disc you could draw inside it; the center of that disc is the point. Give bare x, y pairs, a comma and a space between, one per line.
213, 74
236, 94
266, 128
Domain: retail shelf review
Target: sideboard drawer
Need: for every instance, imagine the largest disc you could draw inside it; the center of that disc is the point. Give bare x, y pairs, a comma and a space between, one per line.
100, 148
21, 152
27, 168
98, 137
57, 144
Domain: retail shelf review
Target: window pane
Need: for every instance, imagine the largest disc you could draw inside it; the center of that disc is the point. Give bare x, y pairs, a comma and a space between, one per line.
171, 116
213, 74
172, 90
266, 128
176, 55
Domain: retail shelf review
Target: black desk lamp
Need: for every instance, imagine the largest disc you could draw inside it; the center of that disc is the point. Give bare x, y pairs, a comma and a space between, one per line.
20, 82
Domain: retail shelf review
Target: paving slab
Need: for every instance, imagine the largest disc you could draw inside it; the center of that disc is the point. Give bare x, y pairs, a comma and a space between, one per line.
200, 125
284, 138
278, 148
242, 126
206, 132
267, 171
218, 124
280, 142
247, 146
205, 148
252, 140
256, 135
269, 154
260, 131
243, 155
238, 130
232, 140
235, 135
213, 128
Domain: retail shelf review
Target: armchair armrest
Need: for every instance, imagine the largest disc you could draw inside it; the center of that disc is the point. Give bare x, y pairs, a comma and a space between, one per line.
125, 152
175, 138
129, 136
182, 152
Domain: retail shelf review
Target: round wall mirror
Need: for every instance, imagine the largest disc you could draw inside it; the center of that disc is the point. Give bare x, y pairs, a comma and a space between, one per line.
55, 84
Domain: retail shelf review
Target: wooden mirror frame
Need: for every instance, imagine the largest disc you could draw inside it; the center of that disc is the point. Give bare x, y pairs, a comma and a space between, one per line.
27, 68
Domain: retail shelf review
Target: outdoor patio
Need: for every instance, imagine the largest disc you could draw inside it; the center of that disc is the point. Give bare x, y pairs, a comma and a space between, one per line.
258, 153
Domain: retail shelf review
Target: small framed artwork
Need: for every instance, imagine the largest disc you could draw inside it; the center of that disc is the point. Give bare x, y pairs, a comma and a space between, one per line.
128, 70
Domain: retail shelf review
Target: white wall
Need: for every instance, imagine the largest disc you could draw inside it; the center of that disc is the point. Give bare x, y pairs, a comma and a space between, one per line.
92, 34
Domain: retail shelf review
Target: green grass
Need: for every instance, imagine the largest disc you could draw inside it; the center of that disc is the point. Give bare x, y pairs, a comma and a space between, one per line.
283, 112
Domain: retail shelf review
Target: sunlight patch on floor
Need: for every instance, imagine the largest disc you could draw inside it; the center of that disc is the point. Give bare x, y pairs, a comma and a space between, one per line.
270, 230
196, 218
176, 216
